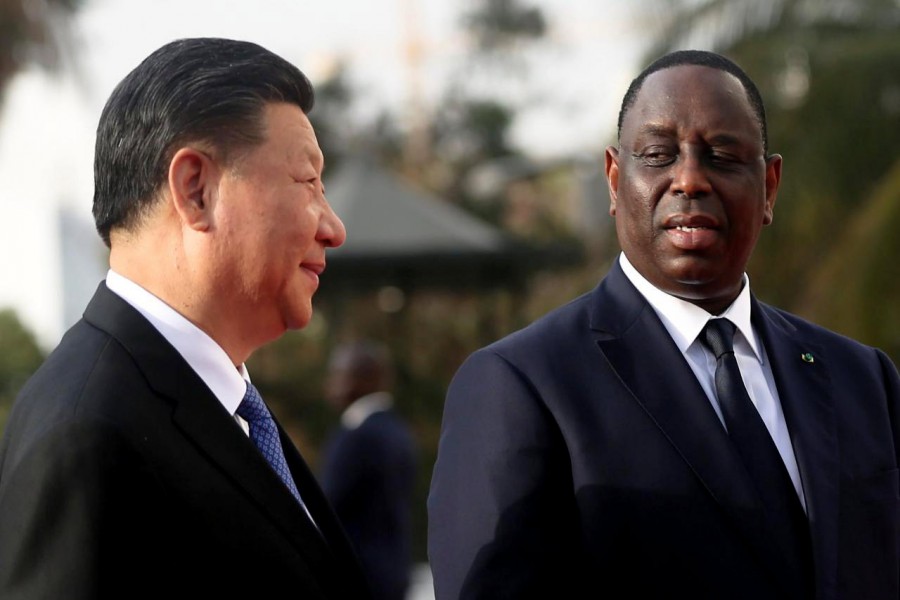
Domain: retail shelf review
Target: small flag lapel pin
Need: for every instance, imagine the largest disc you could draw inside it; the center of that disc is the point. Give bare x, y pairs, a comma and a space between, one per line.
808, 358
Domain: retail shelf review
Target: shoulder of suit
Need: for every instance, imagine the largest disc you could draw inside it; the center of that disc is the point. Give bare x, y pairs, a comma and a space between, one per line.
813, 332
549, 335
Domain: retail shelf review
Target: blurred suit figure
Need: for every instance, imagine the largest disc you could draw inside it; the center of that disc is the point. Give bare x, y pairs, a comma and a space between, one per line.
369, 466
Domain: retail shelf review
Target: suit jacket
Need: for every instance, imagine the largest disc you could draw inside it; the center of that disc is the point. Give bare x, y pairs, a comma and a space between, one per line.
122, 476
368, 475
582, 453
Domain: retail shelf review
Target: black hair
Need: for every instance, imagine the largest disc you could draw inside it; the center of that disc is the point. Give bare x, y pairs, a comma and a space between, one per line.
701, 58
201, 90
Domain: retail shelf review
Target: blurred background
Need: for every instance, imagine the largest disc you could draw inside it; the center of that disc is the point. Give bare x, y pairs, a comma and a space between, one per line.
464, 146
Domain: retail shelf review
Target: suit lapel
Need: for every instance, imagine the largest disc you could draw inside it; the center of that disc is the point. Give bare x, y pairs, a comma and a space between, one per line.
203, 420
324, 516
638, 348
216, 434
805, 391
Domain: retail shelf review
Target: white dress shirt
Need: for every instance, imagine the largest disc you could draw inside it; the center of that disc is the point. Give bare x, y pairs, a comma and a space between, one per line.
227, 382
364, 407
684, 322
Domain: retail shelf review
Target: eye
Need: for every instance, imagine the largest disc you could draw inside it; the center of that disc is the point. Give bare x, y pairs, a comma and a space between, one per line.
655, 156
723, 160
313, 181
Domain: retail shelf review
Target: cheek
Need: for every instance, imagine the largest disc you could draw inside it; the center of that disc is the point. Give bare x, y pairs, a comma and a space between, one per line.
638, 195
637, 212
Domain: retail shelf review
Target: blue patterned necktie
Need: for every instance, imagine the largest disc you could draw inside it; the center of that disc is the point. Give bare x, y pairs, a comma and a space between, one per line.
264, 434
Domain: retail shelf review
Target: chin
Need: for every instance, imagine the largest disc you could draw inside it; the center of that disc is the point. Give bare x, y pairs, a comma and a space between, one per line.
694, 271
298, 318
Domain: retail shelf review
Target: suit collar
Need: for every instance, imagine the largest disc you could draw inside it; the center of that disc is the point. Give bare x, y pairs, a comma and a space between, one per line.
684, 320
198, 349
203, 420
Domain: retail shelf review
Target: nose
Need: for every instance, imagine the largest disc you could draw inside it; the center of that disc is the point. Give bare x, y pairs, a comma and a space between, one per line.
689, 177
331, 229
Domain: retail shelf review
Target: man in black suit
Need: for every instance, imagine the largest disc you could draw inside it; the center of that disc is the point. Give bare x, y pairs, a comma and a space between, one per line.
139, 460
369, 465
667, 434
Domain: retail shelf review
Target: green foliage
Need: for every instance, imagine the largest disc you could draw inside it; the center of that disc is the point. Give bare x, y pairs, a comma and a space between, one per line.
20, 356
863, 267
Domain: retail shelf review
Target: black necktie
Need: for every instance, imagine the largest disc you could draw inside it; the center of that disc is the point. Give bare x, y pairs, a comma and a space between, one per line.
755, 446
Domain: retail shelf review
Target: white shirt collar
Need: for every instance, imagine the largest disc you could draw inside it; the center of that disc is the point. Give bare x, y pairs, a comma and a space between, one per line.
201, 352
362, 408
684, 320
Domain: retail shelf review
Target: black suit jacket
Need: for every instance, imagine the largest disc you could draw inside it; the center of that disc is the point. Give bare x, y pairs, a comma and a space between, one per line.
122, 476
582, 453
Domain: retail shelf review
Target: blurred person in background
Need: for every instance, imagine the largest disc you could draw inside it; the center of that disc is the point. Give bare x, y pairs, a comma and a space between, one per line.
369, 465
667, 434
139, 461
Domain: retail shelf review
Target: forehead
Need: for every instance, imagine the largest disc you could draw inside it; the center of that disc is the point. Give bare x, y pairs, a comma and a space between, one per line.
692, 98
289, 130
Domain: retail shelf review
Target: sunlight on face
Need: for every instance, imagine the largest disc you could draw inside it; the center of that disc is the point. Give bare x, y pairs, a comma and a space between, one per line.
274, 226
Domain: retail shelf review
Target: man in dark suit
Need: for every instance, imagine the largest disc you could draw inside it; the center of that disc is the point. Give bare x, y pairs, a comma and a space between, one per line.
369, 466
139, 461
599, 449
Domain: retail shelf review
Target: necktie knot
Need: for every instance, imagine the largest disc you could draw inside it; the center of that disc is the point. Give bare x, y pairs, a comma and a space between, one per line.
252, 409
718, 336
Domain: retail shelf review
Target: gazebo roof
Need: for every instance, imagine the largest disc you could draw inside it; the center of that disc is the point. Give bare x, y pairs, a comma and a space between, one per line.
403, 236
386, 216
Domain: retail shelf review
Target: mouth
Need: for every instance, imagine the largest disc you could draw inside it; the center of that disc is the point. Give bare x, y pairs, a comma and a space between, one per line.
692, 232
316, 268
313, 270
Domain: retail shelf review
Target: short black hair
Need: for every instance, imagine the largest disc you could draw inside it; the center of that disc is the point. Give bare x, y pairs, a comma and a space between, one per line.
701, 58
207, 90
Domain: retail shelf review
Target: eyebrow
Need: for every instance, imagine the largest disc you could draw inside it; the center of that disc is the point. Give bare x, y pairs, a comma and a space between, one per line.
719, 139
658, 130
725, 139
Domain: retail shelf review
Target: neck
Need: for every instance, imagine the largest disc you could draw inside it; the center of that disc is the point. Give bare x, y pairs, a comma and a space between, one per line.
175, 279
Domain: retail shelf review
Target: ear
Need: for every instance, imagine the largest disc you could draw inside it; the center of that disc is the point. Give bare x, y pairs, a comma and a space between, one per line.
192, 176
612, 177
773, 178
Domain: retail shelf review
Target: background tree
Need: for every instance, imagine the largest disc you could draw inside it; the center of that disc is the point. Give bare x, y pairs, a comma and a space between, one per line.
19, 357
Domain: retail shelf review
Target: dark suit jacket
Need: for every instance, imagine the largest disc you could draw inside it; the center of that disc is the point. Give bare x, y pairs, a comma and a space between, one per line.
581, 453
368, 474
122, 476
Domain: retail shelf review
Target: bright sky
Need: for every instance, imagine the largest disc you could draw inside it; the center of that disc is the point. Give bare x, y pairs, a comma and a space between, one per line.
576, 81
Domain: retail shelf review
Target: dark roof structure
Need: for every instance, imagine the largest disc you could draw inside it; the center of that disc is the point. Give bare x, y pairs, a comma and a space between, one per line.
402, 236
